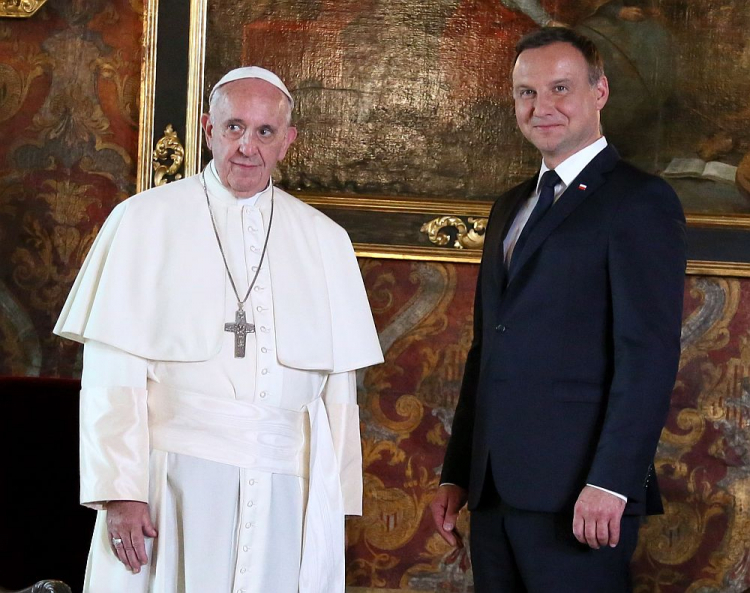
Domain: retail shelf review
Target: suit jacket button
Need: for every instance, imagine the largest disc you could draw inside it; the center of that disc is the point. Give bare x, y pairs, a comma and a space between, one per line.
500, 327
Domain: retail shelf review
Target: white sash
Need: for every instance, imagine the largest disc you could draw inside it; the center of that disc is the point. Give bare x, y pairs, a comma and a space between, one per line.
267, 439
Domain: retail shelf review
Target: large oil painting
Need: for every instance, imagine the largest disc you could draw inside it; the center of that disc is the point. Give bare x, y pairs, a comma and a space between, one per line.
412, 98
406, 125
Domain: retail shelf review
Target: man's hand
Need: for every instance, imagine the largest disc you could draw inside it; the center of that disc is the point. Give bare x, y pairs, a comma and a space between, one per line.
129, 521
596, 518
445, 506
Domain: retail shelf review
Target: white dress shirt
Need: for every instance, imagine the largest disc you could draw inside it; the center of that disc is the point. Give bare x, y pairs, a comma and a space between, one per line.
568, 170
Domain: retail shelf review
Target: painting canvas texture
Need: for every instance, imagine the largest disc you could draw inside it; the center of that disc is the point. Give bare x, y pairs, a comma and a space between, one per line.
412, 97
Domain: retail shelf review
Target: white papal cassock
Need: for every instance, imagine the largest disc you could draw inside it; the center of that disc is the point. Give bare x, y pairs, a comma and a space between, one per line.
248, 464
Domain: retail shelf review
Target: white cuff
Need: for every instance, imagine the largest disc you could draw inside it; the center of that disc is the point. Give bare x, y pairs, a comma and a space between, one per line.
620, 496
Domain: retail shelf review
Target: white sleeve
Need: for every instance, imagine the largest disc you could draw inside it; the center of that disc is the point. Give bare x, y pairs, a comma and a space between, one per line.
340, 398
114, 448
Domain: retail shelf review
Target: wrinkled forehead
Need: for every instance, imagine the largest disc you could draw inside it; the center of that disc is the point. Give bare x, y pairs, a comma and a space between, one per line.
252, 95
250, 99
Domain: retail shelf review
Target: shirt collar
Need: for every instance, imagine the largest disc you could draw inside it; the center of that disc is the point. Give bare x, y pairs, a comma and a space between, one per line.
571, 167
218, 190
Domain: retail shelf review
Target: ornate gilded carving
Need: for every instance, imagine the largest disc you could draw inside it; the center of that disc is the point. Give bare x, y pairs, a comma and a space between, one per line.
466, 238
168, 148
19, 8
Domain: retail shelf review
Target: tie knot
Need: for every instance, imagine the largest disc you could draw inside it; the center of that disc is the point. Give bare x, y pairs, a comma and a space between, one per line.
550, 179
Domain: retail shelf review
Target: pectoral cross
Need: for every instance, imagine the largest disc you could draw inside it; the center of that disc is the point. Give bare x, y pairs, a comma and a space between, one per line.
240, 328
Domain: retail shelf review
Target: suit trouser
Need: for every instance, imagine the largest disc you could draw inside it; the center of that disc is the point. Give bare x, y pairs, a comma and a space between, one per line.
518, 551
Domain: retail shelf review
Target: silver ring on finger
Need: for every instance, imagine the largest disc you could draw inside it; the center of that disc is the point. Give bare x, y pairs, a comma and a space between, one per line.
116, 541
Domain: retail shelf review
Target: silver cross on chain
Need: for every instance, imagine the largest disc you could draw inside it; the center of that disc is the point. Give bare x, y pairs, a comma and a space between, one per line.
240, 328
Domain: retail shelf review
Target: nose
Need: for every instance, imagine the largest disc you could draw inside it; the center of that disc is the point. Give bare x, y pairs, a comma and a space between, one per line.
247, 145
543, 104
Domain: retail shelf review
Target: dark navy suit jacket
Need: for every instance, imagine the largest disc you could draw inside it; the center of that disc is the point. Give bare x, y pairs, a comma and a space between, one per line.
569, 376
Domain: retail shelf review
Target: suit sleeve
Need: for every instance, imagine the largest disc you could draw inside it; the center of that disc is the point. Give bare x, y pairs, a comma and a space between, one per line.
646, 261
458, 455
114, 447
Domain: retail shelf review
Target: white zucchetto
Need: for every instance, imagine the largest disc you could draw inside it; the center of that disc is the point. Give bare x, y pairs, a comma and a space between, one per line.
252, 72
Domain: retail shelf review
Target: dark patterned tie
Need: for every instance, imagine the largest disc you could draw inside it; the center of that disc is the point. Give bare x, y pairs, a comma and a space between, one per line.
546, 198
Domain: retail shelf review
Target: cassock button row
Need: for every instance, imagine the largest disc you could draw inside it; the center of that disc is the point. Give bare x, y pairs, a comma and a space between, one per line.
251, 503
263, 394
264, 349
264, 372
258, 288
254, 268
264, 329
252, 482
500, 327
260, 309
243, 570
245, 549
248, 525
253, 248
252, 229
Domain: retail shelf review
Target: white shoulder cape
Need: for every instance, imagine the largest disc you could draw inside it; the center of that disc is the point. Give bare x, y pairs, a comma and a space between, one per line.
154, 284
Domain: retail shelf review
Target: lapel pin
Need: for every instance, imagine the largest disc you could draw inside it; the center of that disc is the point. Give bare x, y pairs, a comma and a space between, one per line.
582, 186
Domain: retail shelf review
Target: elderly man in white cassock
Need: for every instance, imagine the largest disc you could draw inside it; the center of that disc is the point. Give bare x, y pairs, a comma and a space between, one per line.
223, 321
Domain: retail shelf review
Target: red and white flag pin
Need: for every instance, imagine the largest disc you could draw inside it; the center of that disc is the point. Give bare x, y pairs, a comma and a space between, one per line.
582, 186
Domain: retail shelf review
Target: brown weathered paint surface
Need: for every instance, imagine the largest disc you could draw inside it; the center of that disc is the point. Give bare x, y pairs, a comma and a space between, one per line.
405, 97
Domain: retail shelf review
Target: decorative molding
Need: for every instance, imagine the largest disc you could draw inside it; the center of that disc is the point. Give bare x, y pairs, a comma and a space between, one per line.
733, 221
482, 209
474, 256
168, 148
19, 8
438, 232
718, 268
398, 205
408, 252
148, 93
197, 53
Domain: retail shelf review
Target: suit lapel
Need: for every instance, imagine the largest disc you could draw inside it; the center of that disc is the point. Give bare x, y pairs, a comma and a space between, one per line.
581, 188
506, 210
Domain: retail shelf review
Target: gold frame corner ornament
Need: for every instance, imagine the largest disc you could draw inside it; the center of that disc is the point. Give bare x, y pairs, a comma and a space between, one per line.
20, 8
466, 237
168, 148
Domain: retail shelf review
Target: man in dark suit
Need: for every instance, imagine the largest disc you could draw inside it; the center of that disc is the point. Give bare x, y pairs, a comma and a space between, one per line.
576, 346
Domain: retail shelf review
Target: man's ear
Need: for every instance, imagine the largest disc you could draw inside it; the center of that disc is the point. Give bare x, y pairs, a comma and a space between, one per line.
208, 128
291, 135
602, 92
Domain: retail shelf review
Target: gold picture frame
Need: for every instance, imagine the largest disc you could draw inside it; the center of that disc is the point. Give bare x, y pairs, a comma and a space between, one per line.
19, 8
386, 226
